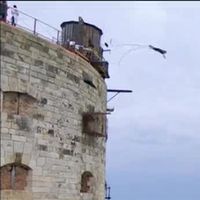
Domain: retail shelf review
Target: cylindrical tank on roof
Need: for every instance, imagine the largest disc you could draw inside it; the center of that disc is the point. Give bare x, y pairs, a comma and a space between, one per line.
84, 34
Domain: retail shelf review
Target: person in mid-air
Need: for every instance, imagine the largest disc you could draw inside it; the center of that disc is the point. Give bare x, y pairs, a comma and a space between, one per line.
163, 52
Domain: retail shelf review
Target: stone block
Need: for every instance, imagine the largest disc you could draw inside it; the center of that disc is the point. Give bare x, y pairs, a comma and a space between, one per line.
41, 189
18, 147
7, 145
26, 159
9, 157
37, 171
19, 138
28, 148
41, 161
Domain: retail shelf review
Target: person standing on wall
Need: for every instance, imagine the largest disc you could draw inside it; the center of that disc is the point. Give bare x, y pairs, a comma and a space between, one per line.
3, 10
15, 14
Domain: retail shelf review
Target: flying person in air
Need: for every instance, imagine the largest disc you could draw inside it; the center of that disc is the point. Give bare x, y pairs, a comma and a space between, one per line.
163, 52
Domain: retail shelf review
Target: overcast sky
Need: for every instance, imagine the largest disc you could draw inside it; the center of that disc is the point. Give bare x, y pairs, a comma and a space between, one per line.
153, 149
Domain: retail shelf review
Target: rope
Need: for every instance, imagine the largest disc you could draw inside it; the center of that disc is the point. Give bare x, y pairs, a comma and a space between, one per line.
137, 47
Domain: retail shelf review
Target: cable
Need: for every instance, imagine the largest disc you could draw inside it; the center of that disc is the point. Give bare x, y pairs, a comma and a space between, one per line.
132, 45
131, 50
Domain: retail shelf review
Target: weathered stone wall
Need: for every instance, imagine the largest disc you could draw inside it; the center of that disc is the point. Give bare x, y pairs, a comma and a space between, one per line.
43, 97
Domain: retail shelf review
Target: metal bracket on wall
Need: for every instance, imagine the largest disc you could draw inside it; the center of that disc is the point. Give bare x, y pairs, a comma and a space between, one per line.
117, 91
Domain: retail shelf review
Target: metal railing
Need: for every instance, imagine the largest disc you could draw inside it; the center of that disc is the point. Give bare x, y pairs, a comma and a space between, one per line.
36, 26
43, 30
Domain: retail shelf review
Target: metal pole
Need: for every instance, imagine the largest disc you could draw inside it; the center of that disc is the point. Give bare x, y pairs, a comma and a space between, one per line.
116, 90
58, 34
108, 197
34, 30
13, 172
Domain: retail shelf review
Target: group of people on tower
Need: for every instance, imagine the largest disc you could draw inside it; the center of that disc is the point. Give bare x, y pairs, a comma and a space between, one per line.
4, 12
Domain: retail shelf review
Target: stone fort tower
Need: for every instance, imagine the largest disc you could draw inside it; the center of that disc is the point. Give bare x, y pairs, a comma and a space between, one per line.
53, 114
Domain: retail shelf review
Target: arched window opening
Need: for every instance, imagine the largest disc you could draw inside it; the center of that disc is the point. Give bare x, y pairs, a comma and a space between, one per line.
14, 177
87, 182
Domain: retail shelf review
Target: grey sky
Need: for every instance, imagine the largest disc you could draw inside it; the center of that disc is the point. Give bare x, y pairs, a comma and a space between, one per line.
153, 150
